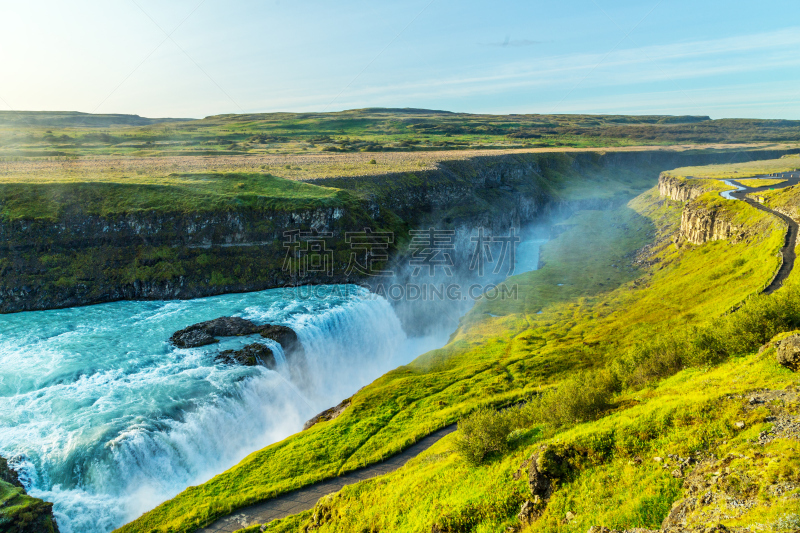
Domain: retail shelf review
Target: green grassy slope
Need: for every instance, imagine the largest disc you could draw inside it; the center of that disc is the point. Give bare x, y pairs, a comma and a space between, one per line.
174, 193
612, 477
615, 483
596, 303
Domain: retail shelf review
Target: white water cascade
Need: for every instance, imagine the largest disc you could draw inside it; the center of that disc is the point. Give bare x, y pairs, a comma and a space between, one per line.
105, 419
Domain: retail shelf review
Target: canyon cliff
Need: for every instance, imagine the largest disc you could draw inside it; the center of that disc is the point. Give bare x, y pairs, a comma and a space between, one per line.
83, 258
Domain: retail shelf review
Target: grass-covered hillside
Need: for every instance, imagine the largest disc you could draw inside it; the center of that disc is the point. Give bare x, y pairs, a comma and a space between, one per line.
54, 199
19, 512
49, 134
635, 373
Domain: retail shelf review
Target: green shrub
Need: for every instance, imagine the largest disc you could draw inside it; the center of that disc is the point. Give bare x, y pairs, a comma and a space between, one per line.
486, 432
577, 399
740, 332
661, 357
483, 433
738, 262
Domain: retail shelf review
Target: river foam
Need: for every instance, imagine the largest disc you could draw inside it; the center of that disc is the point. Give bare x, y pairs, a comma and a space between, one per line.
103, 417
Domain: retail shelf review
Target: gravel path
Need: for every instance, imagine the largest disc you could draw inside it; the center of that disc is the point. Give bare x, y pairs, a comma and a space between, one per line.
787, 252
305, 498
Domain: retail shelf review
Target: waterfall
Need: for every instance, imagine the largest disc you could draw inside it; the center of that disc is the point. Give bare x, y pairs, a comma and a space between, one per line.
348, 346
107, 420
103, 417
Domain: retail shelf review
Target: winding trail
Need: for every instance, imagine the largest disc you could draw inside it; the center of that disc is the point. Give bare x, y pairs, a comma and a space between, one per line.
305, 498
787, 251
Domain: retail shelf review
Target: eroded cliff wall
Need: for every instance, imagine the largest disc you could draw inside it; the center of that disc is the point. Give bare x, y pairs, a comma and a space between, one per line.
678, 189
700, 224
81, 259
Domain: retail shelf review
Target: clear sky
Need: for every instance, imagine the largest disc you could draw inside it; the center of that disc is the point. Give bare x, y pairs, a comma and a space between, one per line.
197, 58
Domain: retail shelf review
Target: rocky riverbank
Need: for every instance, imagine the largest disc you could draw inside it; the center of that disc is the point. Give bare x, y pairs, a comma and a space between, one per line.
19, 512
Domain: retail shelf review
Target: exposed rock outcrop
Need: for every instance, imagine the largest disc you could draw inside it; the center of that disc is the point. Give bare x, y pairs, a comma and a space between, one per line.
19, 512
251, 355
283, 335
328, 414
7, 474
192, 338
788, 353
528, 513
700, 224
718, 490
678, 189
546, 468
206, 332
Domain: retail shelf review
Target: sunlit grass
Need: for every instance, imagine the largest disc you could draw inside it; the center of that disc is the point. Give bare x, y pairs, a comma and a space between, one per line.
595, 303
175, 193
740, 170
760, 182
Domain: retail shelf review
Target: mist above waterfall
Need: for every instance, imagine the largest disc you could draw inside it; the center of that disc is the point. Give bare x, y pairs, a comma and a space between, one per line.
431, 301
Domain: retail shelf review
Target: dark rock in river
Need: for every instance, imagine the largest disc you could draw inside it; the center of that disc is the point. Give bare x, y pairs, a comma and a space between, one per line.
228, 326
250, 355
191, 338
205, 332
283, 335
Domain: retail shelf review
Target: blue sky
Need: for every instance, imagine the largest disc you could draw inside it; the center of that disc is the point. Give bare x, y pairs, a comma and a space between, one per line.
198, 58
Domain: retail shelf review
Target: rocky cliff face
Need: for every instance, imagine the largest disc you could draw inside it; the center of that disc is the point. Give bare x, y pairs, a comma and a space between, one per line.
700, 224
82, 259
89, 259
194, 230
679, 190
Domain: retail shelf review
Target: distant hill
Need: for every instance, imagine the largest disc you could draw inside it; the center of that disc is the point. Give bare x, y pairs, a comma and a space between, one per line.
60, 119
401, 112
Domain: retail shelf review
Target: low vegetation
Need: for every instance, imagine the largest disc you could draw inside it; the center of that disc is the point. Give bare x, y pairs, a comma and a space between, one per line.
22, 513
739, 170
67, 135
760, 182
175, 193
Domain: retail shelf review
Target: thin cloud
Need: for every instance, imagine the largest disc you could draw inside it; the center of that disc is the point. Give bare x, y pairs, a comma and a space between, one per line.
509, 42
